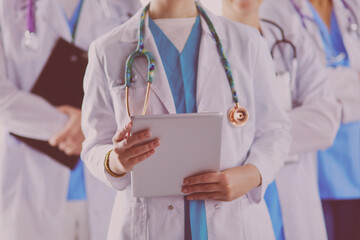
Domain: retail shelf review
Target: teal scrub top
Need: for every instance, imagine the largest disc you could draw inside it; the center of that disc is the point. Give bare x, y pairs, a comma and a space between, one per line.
272, 201
181, 71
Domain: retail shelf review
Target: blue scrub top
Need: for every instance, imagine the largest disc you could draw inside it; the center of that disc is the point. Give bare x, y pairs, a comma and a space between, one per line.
181, 72
272, 201
339, 165
76, 189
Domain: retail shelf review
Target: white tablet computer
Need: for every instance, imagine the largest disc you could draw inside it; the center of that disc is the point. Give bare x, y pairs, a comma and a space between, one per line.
189, 144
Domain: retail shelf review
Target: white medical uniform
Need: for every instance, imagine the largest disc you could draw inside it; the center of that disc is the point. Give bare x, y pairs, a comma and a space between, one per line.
315, 120
264, 140
33, 187
348, 92
338, 166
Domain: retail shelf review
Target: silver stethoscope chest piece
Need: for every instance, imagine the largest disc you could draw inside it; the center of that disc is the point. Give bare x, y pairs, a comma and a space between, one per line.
30, 41
353, 27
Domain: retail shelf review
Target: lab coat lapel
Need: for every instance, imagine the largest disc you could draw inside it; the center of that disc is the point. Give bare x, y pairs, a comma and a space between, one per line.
51, 13
160, 85
90, 9
209, 66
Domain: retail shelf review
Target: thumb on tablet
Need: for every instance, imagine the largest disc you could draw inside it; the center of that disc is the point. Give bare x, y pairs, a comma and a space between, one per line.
122, 132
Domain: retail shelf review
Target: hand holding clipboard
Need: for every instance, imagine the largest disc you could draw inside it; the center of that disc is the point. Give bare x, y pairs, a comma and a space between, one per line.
60, 83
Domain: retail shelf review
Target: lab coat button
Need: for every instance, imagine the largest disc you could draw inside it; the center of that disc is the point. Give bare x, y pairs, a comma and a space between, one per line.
170, 207
217, 206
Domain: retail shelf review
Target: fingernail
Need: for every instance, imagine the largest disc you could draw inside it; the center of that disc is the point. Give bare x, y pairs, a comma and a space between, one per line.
147, 134
156, 143
184, 190
186, 181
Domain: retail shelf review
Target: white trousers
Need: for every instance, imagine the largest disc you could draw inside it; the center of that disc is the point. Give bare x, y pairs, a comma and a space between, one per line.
77, 224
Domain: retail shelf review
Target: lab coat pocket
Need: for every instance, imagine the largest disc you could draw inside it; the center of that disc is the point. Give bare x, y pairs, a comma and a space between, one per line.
139, 221
283, 90
257, 223
165, 217
136, 102
137, 81
225, 219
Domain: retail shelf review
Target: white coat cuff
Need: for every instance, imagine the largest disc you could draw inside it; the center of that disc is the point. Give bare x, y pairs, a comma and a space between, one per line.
118, 183
256, 194
94, 161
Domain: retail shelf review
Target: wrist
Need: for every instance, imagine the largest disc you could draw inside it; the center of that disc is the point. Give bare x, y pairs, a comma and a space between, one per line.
256, 179
112, 164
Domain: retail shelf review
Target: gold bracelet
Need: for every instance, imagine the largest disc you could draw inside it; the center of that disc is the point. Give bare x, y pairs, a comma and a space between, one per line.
107, 166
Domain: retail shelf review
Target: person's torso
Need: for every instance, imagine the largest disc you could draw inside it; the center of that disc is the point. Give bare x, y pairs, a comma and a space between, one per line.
212, 95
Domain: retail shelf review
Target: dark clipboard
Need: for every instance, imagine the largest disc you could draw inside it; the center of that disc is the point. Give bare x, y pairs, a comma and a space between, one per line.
60, 83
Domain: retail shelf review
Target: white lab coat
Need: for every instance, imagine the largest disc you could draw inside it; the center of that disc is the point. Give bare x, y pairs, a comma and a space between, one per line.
345, 82
33, 187
315, 120
263, 141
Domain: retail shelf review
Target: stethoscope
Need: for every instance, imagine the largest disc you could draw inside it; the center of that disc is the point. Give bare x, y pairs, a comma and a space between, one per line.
283, 40
352, 28
353, 22
237, 115
30, 40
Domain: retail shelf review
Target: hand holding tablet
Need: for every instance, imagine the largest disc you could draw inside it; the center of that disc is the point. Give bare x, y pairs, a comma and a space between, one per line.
129, 151
190, 145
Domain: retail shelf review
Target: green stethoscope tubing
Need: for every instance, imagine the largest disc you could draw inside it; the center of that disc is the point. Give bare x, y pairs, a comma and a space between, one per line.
237, 115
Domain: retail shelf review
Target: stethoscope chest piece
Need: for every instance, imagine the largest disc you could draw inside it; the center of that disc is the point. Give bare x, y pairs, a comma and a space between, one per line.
238, 116
353, 28
30, 41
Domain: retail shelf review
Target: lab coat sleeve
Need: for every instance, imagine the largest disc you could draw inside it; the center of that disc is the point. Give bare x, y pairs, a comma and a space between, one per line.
316, 116
24, 113
345, 84
272, 125
98, 122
